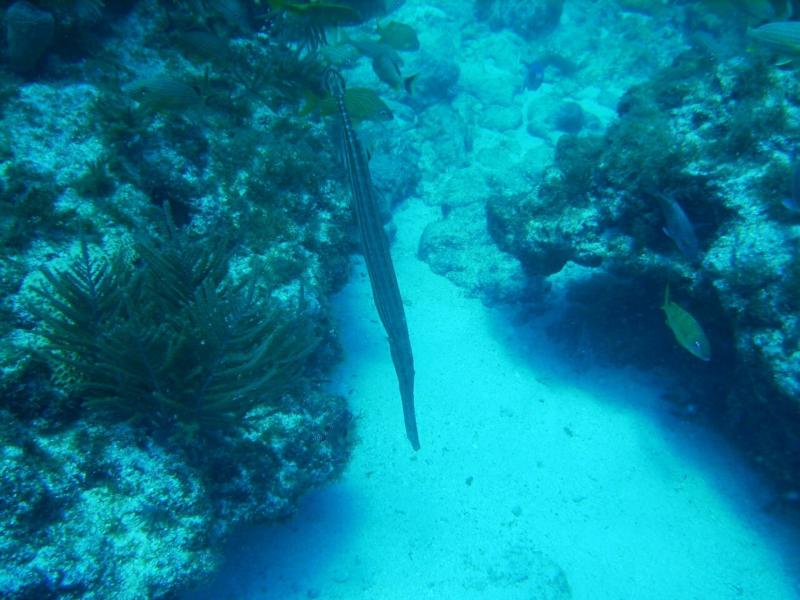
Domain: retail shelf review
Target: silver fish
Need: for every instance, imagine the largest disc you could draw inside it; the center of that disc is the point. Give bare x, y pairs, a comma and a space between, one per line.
678, 227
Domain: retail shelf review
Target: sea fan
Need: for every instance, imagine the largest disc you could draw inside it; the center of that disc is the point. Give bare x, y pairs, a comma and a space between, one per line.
172, 344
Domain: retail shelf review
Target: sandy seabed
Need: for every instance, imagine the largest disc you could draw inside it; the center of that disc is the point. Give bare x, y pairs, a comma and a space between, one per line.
534, 481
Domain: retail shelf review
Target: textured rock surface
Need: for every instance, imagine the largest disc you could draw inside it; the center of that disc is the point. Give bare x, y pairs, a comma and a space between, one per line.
718, 138
527, 18
97, 508
96, 512
459, 247
29, 34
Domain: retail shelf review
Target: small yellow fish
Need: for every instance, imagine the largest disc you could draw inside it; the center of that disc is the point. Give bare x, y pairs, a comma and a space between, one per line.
388, 71
371, 48
362, 104
399, 36
686, 329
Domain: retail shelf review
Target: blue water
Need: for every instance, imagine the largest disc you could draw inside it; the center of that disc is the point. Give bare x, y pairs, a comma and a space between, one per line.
586, 208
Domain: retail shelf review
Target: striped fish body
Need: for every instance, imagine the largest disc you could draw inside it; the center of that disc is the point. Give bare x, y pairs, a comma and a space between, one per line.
781, 36
361, 104
378, 258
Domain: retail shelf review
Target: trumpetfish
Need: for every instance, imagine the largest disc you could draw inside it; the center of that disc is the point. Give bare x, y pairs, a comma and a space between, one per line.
375, 247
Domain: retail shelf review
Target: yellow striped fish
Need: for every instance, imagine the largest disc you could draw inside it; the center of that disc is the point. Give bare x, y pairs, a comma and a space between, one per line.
686, 329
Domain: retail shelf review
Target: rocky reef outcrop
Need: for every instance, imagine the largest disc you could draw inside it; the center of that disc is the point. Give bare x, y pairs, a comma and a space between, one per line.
718, 137
170, 236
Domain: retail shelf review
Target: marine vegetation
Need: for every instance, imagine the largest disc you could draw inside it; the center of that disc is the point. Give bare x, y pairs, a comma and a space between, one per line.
156, 385
174, 344
28, 200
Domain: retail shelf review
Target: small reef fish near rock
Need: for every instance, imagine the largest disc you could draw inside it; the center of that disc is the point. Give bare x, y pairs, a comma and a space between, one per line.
534, 75
398, 36
678, 227
159, 94
370, 48
792, 203
362, 104
687, 330
386, 62
388, 70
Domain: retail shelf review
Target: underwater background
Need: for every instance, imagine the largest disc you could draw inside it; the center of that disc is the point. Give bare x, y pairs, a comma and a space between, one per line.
253, 254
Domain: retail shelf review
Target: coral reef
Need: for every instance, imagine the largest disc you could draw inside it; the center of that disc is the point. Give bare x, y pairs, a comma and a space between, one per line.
526, 18
717, 136
95, 511
87, 506
477, 265
569, 118
159, 378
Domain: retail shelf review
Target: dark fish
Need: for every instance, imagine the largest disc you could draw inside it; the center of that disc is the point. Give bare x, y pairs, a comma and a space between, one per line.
678, 227
792, 204
375, 247
534, 75
204, 45
388, 70
163, 94
560, 63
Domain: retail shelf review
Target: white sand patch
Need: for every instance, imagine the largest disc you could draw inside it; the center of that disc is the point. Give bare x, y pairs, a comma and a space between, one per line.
532, 482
